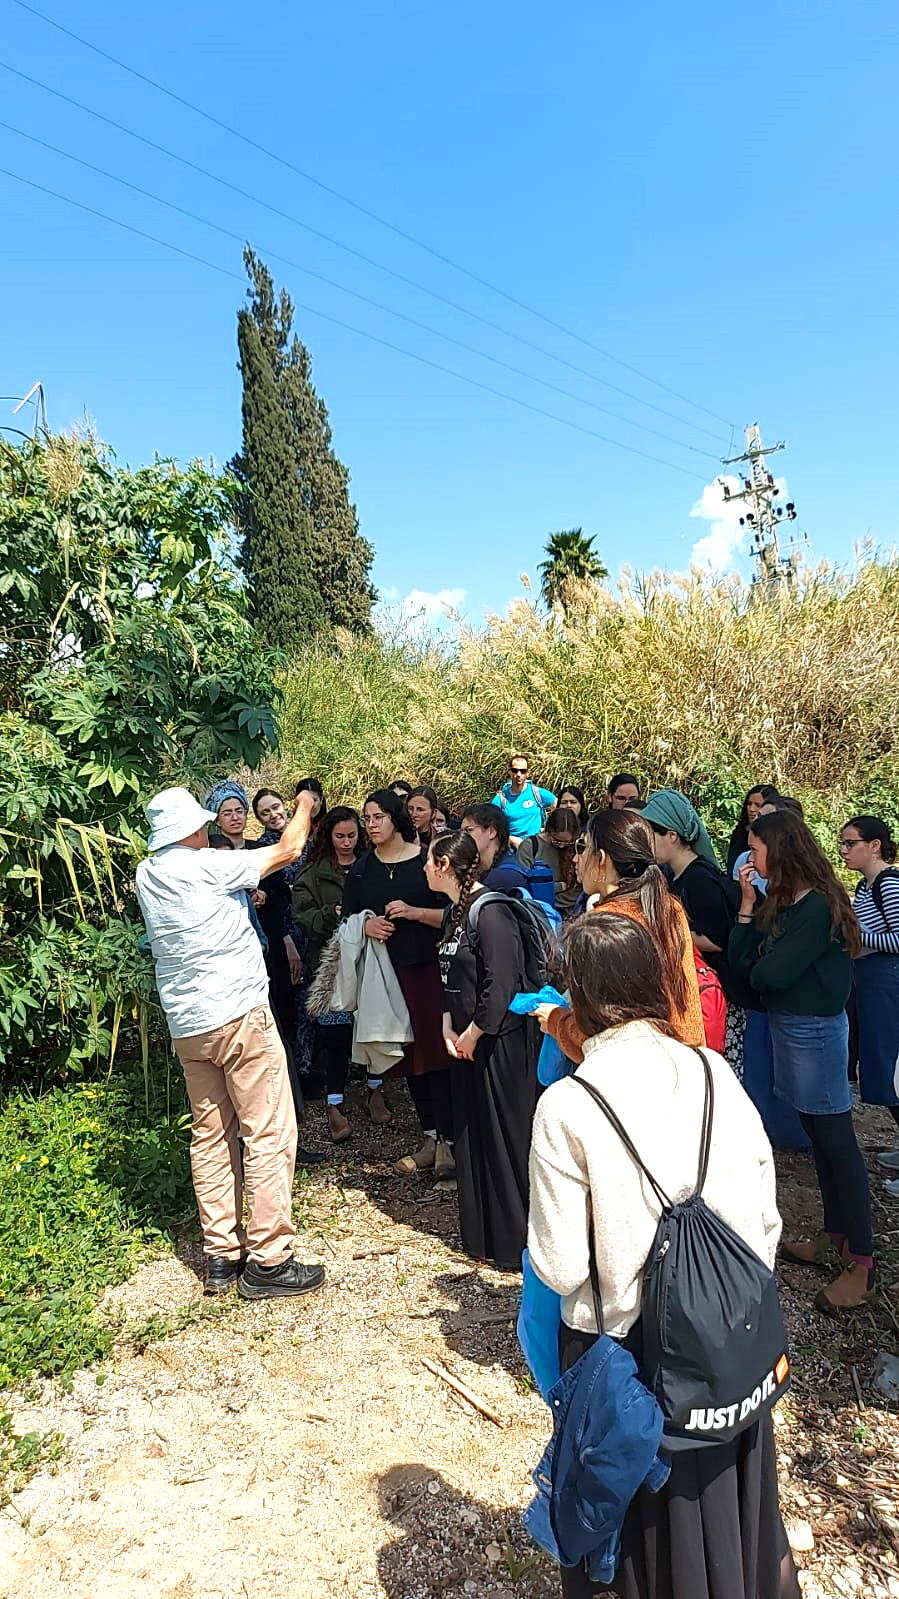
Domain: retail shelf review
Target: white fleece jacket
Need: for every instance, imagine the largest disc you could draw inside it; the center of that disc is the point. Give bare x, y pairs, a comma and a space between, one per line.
367, 984
656, 1088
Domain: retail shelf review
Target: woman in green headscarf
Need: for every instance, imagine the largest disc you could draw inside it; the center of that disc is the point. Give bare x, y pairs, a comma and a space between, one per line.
707, 895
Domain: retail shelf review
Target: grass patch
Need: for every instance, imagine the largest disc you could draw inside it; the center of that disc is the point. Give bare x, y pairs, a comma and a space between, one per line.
89, 1187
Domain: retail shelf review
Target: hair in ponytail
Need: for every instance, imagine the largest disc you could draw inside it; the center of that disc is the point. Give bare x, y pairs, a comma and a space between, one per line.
461, 851
627, 840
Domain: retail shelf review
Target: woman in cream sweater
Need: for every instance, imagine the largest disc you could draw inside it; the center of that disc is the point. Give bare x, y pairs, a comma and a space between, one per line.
715, 1530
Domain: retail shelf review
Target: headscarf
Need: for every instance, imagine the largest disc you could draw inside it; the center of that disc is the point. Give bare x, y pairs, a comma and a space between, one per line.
226, 790
669, 809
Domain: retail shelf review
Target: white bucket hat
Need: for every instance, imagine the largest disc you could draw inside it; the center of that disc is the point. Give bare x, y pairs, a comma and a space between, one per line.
174, 814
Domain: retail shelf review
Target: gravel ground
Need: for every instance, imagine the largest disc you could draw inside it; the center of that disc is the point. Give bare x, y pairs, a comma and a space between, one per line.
300, 1450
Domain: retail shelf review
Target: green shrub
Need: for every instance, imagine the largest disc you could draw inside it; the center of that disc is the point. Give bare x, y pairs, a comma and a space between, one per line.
88, 1185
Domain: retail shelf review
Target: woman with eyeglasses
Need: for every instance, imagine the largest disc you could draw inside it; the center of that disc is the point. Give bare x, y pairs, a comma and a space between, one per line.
796, 949
867, 847
389, 880
555, 847
618, 873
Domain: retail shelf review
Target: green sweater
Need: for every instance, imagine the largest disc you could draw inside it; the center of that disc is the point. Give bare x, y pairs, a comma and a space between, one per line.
799, 967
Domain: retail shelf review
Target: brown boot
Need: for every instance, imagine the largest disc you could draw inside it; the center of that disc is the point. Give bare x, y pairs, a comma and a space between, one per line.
420, 1161
854, 1285
339, 1129
378, 1108
444, 1165
816, 1252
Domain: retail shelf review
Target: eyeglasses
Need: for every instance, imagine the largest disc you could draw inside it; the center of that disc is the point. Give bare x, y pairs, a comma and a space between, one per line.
519, 771
849, 843
581, 845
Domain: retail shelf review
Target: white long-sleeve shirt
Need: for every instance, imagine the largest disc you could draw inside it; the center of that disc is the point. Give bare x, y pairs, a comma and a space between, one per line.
656, 1088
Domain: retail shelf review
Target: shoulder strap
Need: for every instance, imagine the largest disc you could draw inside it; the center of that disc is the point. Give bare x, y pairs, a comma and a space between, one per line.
877, 892
705, 1137
502, 797
610, 1116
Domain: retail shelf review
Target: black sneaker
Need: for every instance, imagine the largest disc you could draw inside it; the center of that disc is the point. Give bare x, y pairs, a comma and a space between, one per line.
221, 1274
279, 1282
309, 1157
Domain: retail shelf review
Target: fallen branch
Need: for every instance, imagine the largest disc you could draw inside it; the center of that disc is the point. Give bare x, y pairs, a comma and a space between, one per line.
858, 1388
461, 1389
369, 1254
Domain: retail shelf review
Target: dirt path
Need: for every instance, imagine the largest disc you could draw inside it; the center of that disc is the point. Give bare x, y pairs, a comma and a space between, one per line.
292, 1451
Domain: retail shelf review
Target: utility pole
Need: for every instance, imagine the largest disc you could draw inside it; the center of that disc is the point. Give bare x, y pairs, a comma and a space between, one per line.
763, 513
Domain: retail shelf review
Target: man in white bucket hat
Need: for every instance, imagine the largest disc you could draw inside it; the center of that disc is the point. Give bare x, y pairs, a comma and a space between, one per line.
213, 988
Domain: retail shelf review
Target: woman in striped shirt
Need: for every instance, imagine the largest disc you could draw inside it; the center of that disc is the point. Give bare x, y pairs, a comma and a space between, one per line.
867, 847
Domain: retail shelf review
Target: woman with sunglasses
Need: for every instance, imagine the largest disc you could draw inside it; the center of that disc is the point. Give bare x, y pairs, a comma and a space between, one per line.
796, 948
867, 847
618, 873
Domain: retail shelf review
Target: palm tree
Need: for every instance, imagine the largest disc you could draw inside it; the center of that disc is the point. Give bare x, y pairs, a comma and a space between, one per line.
570, 556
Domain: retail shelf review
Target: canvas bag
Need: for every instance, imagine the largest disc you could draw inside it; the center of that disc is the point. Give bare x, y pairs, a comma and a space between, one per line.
715, 1351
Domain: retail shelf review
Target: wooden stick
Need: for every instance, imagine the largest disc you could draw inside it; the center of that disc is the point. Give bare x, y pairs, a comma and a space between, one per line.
368, 1254
460, 1388
858, 1388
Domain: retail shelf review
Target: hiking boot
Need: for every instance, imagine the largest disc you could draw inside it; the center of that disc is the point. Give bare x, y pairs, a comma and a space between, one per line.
444, 1165
854, 1285
422, 1159
221, 1274
285, 1281
816, 1252
378, 1108
889, 1159
339, 1129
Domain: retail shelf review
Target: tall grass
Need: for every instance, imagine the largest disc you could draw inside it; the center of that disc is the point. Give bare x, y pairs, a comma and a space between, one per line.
692, 682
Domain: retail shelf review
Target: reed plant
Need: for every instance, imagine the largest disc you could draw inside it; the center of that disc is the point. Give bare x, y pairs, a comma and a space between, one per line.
703, 684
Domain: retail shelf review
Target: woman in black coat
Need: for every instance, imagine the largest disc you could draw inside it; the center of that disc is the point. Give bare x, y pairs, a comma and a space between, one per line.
493, 1078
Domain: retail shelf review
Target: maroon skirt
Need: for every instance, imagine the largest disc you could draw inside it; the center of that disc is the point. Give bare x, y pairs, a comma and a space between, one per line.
423, 993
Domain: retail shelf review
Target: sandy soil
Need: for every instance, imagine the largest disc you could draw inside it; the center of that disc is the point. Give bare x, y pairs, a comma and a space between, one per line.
300, 1450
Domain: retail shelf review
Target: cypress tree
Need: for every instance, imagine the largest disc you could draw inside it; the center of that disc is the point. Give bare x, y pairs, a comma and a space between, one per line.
306, 562
277, 528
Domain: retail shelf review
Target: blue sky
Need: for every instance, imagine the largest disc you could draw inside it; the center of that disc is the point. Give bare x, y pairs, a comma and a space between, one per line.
707, 195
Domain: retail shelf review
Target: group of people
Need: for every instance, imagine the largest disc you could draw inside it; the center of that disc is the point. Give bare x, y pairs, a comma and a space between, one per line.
402, 938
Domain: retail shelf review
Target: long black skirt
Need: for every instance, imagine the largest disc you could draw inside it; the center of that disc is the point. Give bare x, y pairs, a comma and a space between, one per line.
493, 1102
713, 1532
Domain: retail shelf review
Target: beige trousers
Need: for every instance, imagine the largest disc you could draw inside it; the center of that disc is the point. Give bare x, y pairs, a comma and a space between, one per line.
238, 1087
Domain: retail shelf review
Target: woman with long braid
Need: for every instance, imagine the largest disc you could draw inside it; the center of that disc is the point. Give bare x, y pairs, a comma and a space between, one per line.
493, 1076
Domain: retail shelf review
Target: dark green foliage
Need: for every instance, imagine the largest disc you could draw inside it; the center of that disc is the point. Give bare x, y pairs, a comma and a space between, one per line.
126, 664
277, 551
87, 1186
570, 558
306, 561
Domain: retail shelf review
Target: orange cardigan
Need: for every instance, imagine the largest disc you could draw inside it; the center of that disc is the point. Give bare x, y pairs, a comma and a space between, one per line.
687, 1023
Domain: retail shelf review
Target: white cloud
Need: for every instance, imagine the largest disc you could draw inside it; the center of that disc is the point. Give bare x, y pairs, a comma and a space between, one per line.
419, 602
725, 540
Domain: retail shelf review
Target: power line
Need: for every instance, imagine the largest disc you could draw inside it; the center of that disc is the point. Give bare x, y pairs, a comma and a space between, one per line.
327, 238
348, 327
373, 216
471, 349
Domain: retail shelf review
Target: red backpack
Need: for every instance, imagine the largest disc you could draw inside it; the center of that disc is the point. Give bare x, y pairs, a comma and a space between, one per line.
713, 1002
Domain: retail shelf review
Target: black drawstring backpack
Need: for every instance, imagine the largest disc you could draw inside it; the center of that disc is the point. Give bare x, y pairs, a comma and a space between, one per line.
714, 1344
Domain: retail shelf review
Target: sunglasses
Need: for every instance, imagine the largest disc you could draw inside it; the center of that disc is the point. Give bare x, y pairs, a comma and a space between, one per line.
519, 771
581, 846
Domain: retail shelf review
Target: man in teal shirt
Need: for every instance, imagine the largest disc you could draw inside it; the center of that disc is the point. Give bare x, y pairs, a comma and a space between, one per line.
524, 804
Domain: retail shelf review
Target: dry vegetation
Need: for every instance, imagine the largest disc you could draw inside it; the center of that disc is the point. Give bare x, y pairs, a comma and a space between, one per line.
691, 682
